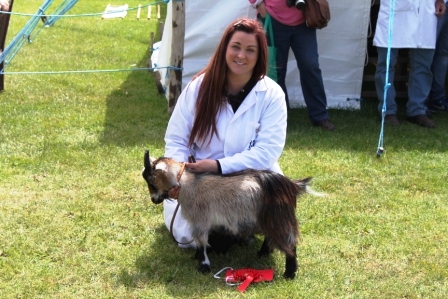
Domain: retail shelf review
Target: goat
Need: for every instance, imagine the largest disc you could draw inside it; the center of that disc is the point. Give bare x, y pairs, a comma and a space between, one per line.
245, 203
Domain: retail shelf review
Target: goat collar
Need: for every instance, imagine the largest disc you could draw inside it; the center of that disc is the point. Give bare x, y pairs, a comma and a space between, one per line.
181, 171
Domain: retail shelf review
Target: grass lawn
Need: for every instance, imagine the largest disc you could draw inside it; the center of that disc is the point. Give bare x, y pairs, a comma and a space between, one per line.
77, 221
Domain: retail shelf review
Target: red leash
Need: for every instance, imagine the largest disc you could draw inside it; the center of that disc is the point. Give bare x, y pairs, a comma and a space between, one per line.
244, 277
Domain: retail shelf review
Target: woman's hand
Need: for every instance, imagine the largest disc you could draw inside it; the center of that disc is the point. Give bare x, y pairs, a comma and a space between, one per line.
174, 192
4, 5
440, 8
200, 166
262, 9
203, 166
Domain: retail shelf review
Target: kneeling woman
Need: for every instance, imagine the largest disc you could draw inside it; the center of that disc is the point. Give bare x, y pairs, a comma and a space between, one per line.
230, 117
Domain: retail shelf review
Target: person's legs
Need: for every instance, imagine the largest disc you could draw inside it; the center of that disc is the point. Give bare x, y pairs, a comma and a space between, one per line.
304, 47
282, 41
419, 86
439, 67
380, 80
419, 81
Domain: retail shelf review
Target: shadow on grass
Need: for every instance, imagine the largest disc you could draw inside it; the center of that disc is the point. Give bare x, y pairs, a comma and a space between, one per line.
136, 114
164, 263
359, 130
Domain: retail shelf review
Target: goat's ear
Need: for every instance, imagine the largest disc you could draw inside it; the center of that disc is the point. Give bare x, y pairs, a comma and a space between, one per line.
147, 161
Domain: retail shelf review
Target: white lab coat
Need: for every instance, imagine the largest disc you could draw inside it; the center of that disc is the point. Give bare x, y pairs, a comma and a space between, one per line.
253, 137
414, 24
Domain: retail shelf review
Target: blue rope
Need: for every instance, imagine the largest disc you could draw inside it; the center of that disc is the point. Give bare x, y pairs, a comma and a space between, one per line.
90, 71
49, 21
25, 34
11, 50
380, 149
80, 15
61, 10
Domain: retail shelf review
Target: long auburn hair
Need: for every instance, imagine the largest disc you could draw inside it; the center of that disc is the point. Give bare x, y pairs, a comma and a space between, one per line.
210, 96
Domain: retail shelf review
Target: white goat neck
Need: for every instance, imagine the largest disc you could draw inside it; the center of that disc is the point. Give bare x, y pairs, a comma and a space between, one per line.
168, 167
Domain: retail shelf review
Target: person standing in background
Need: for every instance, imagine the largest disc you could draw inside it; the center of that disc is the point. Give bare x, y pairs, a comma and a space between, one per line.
414, 27
291, 32
437, 100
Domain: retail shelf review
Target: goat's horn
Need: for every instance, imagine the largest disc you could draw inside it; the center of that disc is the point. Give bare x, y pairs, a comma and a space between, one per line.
147, 162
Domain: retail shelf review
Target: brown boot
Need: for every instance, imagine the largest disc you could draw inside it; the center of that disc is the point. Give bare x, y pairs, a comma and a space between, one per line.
325, 124
422, 120
391, 119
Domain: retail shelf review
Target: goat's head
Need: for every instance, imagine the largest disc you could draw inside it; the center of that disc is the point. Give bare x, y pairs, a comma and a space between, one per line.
160, 175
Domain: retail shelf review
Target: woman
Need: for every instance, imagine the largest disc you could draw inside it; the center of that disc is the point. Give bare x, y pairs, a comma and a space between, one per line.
231, 116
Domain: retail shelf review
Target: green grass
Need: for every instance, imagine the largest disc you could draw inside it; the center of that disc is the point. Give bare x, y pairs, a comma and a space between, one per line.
77, 222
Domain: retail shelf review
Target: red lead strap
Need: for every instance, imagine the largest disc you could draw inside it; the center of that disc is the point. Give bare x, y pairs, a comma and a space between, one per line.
244, 277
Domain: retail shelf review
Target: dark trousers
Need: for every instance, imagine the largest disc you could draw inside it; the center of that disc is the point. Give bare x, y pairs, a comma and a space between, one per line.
303, 42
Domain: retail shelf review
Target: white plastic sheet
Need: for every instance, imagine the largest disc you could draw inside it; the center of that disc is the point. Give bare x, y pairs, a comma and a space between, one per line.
115, 11
342, 46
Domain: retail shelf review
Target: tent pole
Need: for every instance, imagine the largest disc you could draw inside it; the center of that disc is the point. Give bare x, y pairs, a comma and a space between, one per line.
4, 23
177, 53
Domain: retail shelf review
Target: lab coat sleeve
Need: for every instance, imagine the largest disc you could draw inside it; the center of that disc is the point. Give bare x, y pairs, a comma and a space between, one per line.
269, 137
180, 124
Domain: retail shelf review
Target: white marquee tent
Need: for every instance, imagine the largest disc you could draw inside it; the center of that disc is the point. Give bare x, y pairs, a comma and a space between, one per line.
342, 46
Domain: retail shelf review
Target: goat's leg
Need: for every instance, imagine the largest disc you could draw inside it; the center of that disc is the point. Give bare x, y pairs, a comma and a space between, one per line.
201, 238
291, 265
265, 249
204, 262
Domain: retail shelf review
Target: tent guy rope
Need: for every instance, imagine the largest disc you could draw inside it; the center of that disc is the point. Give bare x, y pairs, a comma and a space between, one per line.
380, 149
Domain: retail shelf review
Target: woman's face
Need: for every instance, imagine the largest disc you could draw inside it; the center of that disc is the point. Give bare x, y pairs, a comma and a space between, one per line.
242, 54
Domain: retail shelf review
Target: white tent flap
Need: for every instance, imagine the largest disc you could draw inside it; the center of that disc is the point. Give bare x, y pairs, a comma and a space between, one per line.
342, 46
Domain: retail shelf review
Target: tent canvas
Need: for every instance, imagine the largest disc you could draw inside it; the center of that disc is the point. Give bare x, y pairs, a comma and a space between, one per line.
342, 46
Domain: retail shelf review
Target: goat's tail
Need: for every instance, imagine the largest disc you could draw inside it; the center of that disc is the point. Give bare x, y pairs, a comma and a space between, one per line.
278, 216
305, 188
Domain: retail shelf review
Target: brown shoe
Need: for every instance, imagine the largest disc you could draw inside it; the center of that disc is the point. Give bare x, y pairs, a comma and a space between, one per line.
325, 124
391, 119
422, 120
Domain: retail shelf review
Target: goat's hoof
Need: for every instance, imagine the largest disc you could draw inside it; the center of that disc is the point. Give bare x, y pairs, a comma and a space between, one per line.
204, 268
289, 275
